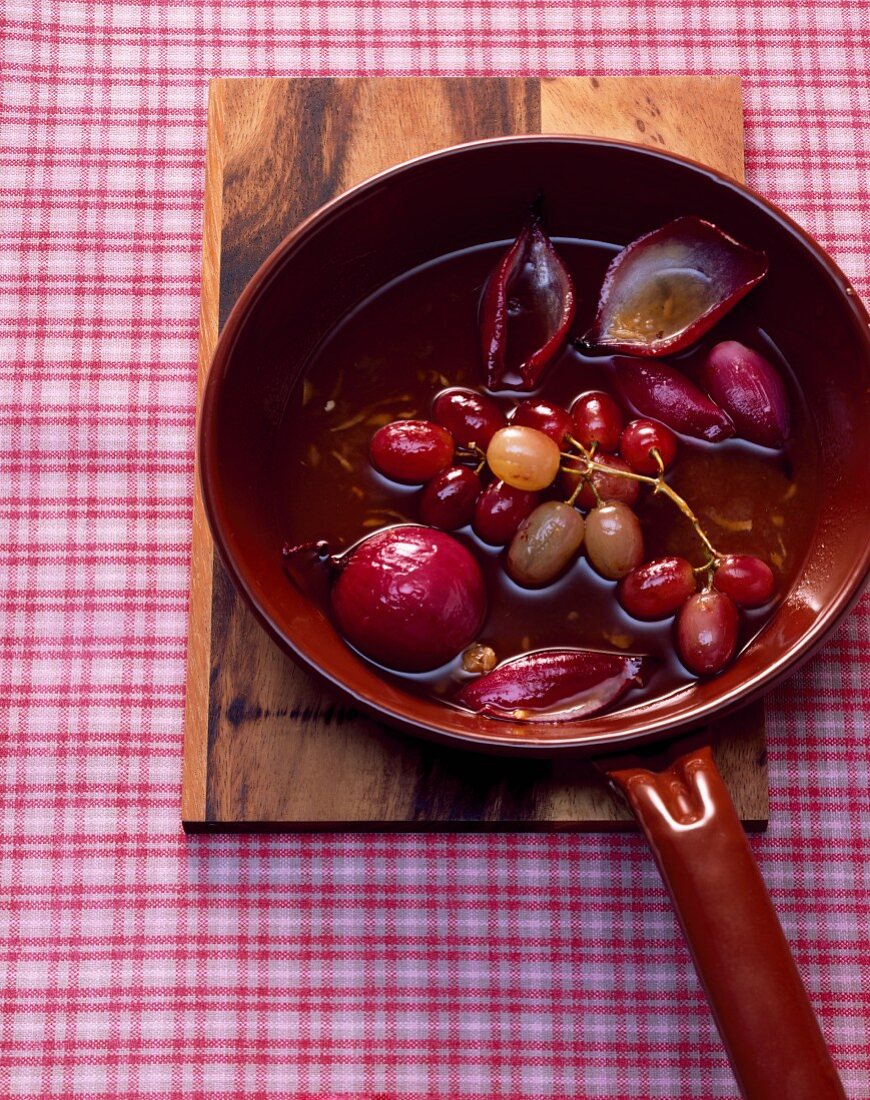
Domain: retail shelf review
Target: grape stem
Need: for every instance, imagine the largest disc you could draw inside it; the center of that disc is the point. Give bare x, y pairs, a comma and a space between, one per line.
472, 453
589, 466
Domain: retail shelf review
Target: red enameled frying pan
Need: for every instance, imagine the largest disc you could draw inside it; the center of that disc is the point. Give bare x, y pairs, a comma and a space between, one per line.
607, 191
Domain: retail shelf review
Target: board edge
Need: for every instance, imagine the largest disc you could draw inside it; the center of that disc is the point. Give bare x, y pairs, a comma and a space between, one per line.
195, 755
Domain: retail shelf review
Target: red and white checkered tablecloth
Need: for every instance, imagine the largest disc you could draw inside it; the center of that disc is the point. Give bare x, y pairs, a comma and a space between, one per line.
138, 963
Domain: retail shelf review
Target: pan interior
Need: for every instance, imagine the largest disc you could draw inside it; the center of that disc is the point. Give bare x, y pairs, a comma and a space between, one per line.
463, 198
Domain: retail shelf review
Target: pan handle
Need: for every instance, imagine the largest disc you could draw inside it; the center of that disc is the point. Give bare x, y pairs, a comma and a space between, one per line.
741, 955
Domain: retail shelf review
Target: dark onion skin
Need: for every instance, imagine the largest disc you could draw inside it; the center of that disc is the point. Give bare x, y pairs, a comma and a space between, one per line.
638, 441
609, 486
552, 685
751, 391
748, 580
545, 417
409, 597
657, 589
448, 500
597, 419
656, 279
411, 451
659, 392
533, 272
469, 417
706, 632
499, 511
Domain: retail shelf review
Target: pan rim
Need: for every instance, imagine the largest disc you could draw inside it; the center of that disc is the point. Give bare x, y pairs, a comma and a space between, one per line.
498, 738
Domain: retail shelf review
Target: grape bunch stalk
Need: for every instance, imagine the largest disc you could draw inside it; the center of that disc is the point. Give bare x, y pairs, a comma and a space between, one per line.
599, 466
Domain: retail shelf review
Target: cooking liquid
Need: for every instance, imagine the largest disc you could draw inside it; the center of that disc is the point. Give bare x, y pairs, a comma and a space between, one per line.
396, 351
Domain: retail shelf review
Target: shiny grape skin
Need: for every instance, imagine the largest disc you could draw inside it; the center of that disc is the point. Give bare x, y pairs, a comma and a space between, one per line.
523, 457
597, 419
657, 589
448, 500
546, 542
614, 540
748, 580
411, 452
638, 440
706, 632
546, 417
499, 511
469, 417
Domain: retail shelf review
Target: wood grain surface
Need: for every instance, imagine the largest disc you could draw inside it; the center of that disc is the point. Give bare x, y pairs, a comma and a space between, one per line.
266, 747
697, 117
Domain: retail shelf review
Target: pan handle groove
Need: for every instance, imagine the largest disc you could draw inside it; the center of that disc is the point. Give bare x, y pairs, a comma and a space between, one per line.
740, 952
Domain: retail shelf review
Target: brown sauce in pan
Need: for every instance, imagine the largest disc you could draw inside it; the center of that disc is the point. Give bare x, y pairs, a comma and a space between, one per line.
400, 347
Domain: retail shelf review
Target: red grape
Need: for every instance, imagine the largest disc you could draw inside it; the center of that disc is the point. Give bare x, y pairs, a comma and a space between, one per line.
748, 580
609, 486
409, 598
448, 500
499, 511
658, 588
707, 632
597, 419
470, 417
638, 440
546, 417
411, 451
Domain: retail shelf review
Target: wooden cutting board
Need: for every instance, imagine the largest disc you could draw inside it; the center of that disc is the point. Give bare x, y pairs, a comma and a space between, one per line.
266, 748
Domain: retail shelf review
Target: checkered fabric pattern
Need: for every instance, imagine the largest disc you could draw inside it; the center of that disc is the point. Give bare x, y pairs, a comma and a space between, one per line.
137, 963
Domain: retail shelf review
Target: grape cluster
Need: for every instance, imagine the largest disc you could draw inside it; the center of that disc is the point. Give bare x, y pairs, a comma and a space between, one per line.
599, 466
